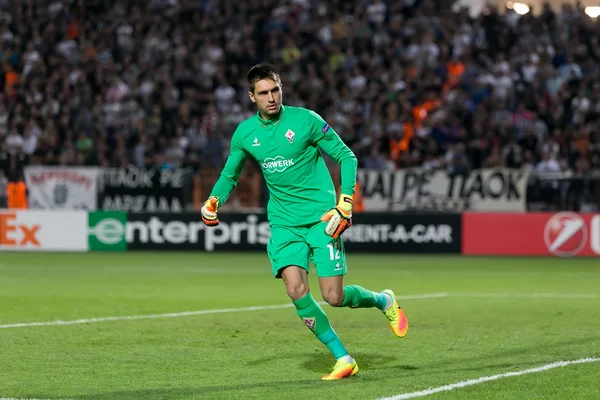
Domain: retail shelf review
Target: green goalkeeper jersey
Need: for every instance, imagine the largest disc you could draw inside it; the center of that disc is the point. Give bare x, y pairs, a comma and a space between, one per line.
288, 152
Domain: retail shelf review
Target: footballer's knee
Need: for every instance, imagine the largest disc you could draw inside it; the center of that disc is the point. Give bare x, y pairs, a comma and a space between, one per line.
334, 297
332, 289
296, 290
296, 283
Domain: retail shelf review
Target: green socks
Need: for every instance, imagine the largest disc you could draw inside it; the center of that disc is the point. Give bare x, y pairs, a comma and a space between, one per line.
315, 319
313, 316
359, 297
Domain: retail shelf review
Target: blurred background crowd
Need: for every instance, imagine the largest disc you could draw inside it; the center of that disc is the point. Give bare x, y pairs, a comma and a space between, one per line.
404, 82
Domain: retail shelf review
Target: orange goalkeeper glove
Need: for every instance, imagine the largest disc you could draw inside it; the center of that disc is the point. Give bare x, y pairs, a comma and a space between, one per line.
209, 211
339, 218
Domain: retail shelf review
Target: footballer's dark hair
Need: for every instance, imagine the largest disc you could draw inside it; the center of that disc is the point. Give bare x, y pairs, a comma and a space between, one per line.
260, 72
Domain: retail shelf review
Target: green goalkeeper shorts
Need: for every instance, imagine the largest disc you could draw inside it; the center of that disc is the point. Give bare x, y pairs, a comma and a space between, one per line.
299, 245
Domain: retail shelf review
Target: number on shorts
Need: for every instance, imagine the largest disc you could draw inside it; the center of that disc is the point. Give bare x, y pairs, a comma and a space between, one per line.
333, 255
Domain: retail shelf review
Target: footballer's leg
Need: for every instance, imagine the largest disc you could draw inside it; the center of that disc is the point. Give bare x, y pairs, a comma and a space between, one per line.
289, 255
332, 290
330, 258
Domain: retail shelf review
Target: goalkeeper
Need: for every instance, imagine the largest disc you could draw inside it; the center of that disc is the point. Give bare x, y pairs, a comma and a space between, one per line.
306, 222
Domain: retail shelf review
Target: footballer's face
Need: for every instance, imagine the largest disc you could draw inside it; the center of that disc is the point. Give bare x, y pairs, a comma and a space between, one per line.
267, 97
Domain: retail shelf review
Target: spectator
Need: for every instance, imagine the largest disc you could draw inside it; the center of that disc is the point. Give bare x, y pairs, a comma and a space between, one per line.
376, 160
3, 190
14, 141
405, 83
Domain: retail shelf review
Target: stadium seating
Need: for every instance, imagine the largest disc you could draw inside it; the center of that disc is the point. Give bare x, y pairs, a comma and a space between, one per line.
405, 83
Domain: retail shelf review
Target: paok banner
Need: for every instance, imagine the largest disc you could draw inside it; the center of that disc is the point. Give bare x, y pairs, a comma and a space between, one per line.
62, 188
416, 189
143, 190
378, 232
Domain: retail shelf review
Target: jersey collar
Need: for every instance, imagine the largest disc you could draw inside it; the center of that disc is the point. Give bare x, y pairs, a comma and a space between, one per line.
268, 122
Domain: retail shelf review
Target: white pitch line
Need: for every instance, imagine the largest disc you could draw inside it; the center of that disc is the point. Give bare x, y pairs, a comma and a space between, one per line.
422, 296
186, 313
279, 306
147, 316
477, 381
529, 295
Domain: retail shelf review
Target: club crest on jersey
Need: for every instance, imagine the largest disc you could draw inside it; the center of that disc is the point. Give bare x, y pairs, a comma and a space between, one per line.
311, 323
290, 135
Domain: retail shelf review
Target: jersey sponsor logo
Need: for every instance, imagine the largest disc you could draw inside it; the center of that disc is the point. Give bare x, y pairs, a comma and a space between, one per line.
565, 234
276, 164
325, 128
256, 142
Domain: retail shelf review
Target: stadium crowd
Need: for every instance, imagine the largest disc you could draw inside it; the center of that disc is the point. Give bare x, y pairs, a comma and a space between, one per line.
405, 83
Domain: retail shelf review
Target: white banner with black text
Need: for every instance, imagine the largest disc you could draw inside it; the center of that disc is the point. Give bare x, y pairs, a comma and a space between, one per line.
62, 188
417, 189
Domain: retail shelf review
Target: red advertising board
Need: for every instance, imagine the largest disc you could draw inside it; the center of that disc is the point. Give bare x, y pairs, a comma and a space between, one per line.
563, 234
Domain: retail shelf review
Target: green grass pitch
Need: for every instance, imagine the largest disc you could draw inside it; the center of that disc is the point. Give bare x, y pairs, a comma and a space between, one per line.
469, 318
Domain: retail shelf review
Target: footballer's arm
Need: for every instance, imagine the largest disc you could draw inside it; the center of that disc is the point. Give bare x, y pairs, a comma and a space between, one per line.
328, 140
230, 174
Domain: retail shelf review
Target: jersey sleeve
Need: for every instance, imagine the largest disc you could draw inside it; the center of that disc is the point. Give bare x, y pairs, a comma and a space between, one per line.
323, 136
231, 172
